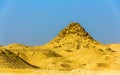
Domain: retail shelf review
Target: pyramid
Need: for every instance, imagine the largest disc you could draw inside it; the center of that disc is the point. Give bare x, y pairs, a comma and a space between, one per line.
73, 36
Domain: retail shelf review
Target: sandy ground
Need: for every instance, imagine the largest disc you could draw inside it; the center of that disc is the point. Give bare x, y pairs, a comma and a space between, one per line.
73, 72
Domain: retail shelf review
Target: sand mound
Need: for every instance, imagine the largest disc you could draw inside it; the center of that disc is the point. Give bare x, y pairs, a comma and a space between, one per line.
15, 45
10, 60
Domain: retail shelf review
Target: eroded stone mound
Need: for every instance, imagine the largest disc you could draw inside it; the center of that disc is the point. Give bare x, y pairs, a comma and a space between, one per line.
73, 36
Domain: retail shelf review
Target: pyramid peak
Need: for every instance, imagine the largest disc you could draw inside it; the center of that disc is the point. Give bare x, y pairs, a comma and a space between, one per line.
74, 24
72, 28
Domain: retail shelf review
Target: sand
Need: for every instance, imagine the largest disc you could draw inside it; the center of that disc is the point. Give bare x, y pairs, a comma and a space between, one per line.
56, 72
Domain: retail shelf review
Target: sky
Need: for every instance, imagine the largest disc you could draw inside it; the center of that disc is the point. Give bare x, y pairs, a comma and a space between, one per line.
36, 22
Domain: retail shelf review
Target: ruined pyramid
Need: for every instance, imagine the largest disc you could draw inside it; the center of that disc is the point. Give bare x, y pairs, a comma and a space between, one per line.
74, 37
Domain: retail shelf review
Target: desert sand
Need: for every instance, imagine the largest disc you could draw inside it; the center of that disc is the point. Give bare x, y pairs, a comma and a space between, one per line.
72, 52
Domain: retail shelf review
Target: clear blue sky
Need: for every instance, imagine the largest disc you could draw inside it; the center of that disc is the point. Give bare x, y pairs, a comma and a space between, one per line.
36, 22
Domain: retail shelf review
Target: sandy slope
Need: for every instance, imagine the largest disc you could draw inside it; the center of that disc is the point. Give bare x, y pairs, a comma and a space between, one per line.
115, 46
